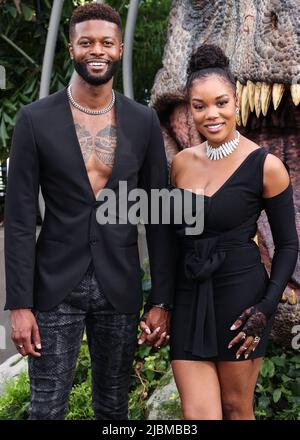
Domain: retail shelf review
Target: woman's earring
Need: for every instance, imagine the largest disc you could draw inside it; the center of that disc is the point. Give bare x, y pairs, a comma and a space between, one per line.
238, 116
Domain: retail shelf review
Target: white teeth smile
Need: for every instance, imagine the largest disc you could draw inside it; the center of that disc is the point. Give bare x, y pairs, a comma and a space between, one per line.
97, 64
214, 126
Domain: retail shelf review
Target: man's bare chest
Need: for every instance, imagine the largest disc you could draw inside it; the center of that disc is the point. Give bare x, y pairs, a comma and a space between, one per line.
97, 137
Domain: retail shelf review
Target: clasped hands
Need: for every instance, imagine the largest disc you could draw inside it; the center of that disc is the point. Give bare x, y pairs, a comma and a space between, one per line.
254, 325
155, 326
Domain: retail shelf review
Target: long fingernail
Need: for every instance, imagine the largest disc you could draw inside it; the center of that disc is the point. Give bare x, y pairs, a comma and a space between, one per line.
229, 346
38, 346
163, 334
148, 331
237, 356
246, 355
168, 337
140, 341
233, 327
157, 330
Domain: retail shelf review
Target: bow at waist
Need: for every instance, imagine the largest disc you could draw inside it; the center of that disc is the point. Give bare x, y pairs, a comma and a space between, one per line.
202, 257
199, 264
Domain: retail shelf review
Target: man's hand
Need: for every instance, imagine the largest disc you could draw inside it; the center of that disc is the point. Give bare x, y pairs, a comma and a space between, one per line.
155, 327
25, 332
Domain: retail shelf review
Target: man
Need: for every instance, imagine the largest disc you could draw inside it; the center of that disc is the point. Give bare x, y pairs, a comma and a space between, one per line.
82, 274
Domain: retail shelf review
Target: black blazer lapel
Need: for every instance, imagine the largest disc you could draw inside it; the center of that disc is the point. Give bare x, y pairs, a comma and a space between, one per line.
70, 145
125, 156
123, 153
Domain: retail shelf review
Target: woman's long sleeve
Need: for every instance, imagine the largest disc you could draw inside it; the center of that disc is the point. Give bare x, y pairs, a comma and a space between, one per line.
281, 216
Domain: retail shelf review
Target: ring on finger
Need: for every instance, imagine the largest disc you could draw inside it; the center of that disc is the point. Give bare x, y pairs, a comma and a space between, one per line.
20, 346
244, 335
243, 347
256, 339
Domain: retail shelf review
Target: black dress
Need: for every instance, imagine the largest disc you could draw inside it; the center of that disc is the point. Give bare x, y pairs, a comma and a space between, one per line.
220, 272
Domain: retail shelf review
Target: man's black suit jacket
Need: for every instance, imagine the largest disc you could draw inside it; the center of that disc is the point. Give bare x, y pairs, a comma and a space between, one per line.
45, 151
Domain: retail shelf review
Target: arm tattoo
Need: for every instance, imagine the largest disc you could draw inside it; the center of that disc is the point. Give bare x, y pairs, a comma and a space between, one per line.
103, 145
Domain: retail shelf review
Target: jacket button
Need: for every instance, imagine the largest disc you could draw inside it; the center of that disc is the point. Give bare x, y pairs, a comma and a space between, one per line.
93, 242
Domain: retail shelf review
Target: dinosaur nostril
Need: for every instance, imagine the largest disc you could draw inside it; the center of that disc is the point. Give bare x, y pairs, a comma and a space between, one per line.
274, 20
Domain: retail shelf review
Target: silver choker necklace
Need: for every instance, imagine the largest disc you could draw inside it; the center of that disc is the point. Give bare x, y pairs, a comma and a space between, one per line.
223, 150
88, 110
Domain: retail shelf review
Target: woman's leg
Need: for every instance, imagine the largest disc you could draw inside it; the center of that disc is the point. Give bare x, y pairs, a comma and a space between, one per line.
237, 381
199, 389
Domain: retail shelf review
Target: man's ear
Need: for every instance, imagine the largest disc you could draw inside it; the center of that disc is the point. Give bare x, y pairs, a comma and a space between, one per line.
121, 50
70, 47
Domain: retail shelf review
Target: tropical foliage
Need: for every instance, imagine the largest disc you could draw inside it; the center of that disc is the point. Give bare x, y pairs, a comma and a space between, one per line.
23, 33
277, 394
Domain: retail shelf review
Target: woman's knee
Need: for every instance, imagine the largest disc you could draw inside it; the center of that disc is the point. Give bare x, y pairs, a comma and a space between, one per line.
235, 408
197, 411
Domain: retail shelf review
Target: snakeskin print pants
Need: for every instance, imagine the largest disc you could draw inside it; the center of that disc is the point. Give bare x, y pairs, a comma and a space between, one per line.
111, 340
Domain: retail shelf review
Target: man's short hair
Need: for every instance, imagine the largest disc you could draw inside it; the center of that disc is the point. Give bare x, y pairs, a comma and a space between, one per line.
94, 11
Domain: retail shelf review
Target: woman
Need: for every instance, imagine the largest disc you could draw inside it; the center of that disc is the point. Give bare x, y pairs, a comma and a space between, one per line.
225, 301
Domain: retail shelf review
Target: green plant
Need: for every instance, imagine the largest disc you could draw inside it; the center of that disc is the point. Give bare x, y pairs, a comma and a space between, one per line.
80, 401
83, 364
277, 394
149, 367
15, 400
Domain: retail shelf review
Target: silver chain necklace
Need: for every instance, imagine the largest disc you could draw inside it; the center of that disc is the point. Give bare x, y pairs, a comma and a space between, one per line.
88, 110
223, 150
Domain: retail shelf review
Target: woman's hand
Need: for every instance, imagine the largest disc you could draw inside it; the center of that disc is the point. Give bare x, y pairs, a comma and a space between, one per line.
155, 326
254, 325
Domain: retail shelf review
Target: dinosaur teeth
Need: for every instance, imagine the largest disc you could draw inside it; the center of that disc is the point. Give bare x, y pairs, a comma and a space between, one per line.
277, 93
257, 101
295, 92
257, 96
265, 97
292, 299
251, 93
245, 108
239, 89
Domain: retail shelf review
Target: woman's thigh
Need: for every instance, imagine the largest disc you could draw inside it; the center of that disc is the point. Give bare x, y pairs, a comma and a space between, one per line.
199, 389
237, 382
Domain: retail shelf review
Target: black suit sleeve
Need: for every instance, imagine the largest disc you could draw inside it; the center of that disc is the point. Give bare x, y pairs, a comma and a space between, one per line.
160, 239
281, 216
21, 208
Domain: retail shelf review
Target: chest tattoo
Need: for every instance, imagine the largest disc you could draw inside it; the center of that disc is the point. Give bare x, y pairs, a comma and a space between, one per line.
102, 145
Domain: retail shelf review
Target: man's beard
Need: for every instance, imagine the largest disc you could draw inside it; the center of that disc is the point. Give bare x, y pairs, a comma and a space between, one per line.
96, 80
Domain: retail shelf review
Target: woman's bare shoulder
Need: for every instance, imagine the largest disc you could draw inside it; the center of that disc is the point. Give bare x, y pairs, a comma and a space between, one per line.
249, 146
276, 177
183, 160
187, 154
